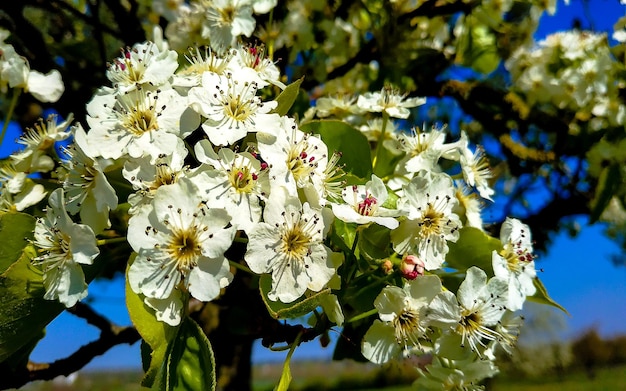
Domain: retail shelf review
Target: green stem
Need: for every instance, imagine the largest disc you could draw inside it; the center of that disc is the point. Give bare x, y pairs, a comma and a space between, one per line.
239, 266
238, 239
353, 257
363, 315
7, 120
270, 45
378, 281
379, 143
102, 242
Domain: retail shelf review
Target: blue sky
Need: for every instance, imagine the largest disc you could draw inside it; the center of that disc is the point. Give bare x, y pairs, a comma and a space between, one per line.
577, 272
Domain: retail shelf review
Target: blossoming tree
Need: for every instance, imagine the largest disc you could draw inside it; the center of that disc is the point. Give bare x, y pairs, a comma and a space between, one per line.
249, 164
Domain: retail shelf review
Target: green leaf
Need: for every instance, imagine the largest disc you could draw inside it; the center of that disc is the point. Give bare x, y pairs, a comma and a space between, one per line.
386, 163
24, 312
280, 310
608, 184
285, 377
478, 49
374, 242
15, 231
474, 248
189, 364
541, 296
155, 333
343, 234
287, 97
353, 145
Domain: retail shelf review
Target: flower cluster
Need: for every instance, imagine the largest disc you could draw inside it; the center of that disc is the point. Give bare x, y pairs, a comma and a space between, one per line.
571, 71
15, 72
206, 161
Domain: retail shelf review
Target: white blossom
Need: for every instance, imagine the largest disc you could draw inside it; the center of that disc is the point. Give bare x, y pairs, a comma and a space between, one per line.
64, 246
289, 245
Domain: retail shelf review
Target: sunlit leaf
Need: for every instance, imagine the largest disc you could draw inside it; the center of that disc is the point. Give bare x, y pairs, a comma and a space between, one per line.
541, 296
608, 184
285, 377
189, 364
477, 47
343, 234
156, 334
287, 97
280, 310
473, 248
386, 163
24, 312
353, 145
15, 231
374, 242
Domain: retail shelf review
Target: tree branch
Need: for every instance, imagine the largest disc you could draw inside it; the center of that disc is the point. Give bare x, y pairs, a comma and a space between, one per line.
433, 8
110, 336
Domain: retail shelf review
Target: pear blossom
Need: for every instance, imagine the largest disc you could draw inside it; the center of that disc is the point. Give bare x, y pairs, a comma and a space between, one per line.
263, 6
15, 72
143, 64
296, 160
64, 246
515, 262
423, 149
231, 106
402, 324
200, 62
38, 142
169, 310
373, 130
146, 177
225, 20
476, 172
138, 123
469, 206
455, 375
428, 201
363, 205
411, 267
338, 105
17, 191
254, 57
45, 87
86, 187
237, 182
180, 245
474, 311
289, 244
169, 9
390, 101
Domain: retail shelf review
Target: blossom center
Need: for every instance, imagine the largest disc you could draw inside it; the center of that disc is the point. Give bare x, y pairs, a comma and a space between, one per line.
431, 223
164, 176
472, 329
516, 257
228, 15
236, 109
242, 179
300, 163
368, 206
407, 327
140, 121
295, 243
184, 249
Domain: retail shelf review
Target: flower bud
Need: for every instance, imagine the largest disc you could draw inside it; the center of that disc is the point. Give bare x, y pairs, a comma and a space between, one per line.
387, 266
411, 267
